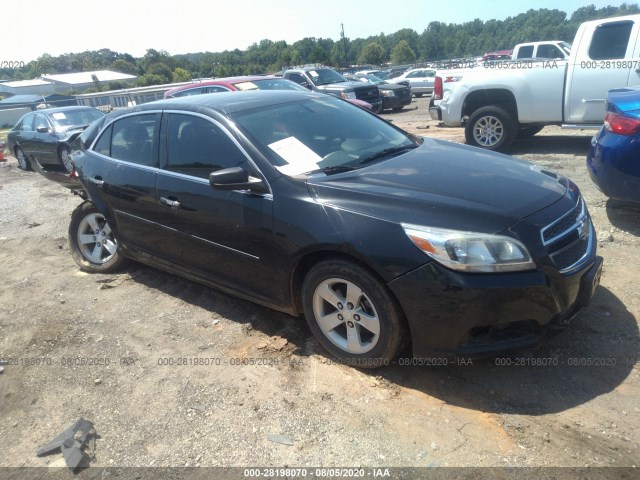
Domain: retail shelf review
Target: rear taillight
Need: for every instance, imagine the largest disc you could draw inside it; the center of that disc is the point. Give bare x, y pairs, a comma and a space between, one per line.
437, 89
620, 124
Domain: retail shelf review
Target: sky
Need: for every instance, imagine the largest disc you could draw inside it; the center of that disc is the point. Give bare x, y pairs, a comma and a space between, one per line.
133, 26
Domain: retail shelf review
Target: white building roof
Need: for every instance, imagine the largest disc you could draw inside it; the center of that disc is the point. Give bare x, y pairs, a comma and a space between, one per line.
38, 82
87, 77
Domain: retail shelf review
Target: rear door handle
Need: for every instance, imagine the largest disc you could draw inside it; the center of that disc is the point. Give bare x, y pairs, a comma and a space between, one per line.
96, 181
169, 202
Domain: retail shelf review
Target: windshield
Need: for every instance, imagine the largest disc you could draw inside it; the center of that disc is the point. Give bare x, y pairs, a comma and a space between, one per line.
373, 79
74, 118
321, 134
269, 84
325, 76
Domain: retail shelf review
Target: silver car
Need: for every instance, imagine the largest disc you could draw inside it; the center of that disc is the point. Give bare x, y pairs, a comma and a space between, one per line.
420, 80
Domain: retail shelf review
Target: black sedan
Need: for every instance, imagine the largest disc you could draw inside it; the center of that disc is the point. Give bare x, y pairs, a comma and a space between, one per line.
45, 136
309, 205
394, 97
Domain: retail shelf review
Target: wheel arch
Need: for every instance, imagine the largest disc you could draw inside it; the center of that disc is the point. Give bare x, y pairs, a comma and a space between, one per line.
498, 97
310, 259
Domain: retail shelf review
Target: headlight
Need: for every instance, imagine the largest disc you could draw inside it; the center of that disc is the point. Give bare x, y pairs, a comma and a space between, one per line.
348, 95
387, 93
470, 251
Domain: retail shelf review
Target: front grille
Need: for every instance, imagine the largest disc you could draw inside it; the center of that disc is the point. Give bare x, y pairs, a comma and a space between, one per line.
367, 93
568, 239
402, 92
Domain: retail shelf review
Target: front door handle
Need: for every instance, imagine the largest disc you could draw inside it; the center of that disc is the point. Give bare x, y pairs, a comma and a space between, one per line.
96, 180
170, 202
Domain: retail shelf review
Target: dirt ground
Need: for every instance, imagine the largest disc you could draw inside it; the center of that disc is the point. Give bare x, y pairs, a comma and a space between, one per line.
173, 373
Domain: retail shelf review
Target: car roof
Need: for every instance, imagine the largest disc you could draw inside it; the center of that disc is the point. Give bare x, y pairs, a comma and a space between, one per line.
229, 102
222, 81
63, 109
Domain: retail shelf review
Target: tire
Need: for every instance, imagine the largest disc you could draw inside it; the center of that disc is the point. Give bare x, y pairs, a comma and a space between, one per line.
529, 131
352, 314
417, 95
23, 161
378, 109
491, 128
397, 109
65, 158
87, 230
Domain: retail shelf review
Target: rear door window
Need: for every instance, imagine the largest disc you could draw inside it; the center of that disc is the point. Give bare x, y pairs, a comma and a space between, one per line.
610, 41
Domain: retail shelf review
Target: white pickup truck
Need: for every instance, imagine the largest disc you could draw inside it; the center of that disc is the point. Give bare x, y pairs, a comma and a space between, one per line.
556, 49
505, 100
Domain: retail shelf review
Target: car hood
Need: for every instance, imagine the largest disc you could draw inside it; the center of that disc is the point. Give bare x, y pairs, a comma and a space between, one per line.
446, 185
343, 85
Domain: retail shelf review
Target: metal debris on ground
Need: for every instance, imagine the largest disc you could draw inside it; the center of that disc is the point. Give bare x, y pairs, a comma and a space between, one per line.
72, 442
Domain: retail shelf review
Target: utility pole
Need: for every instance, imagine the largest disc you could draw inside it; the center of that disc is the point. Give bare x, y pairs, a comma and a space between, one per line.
344, 45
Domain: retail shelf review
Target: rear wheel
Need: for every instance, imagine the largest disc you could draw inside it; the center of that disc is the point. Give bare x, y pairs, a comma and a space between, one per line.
23, 161
397, 109
491, 128
93, 245
352, 314
417, 95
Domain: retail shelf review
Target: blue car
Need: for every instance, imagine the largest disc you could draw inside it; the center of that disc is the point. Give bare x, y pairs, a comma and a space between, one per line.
614, 158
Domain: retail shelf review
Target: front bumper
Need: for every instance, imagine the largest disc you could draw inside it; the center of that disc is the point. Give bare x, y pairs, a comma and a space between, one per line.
396, 101
453, 313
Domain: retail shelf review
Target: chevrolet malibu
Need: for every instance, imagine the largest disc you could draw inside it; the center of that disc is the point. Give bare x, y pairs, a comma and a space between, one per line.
309, 205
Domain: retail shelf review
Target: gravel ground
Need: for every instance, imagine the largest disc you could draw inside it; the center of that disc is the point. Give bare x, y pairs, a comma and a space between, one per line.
257, 390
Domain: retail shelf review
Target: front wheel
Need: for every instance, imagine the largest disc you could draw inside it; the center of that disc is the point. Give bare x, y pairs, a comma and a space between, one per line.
491, 128
65, 157
352, 314
91, 241
23, 161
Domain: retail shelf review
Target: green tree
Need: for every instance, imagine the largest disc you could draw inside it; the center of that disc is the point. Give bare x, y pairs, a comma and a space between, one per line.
180, 75
373, 54
123, 66
402, 53
160, 69
150, 79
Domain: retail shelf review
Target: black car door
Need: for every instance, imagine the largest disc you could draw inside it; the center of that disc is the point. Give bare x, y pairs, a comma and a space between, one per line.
45, 141
120, 174
222, 235
25, 136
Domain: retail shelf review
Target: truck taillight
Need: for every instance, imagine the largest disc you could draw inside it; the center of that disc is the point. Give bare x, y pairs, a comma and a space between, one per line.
620, 124
437, 89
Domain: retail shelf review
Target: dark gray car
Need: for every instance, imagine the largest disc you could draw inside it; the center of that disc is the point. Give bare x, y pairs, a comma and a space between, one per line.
45, 136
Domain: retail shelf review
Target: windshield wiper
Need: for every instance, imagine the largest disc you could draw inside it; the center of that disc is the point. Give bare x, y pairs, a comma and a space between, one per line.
388, 151
336, 169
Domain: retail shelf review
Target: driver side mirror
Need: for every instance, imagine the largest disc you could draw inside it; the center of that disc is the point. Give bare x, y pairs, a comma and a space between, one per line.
42, 129
236, 178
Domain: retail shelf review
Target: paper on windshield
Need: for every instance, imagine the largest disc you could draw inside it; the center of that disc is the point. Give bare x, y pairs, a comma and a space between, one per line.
246, 86
298, 156
59, 116
313, 73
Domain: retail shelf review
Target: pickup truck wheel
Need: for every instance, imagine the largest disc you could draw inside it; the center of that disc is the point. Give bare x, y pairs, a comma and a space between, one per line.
352, 314
491, 128
92, 243
527, 132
